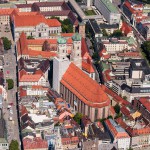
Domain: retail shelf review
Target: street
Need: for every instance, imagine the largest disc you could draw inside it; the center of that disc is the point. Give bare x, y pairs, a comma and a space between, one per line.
10, 114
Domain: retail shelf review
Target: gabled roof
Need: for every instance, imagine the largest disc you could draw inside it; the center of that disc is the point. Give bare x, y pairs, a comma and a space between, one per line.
7, 11
145, 101
23, 110
129, 54
22, 48
117, 131
87, 67
126, 28
30, 78
116, 97
36, 143
86, 89
21, 21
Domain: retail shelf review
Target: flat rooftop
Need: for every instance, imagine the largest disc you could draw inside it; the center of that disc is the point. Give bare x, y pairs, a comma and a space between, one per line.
110, 6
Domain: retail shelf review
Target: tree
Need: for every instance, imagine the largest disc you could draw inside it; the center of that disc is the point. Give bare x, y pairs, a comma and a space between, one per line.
124, 97
102, 120
117, 108
118, 115
30, 37
66, 24
117, 33
110, 117
104, 32
78, 117
10, 84
146, 49
95, 56
14, 145
7, 43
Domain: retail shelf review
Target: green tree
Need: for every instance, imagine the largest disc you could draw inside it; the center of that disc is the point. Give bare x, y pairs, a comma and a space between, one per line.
78, 117
6, 43
146, 49
118, 115
104, 32
102, 120
14, 145
95, 56
124, 97
66, 24
117, 33
10, 84
110, 117
117, 108
30, 37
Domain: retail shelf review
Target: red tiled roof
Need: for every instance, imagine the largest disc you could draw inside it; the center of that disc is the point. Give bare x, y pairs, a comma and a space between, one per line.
39, 87
67, 34
7, 11
87, 67
116, 97
41, 41
145, 102
126, 28
129, 54
30, 78
27, 21
114, 131
86, 89
103, 55
137, 132
70, 140
112, 111
121, 123
44, 54
125, 111
23, 93
106, 75
131, 7
84, 47
23, 110
36, 143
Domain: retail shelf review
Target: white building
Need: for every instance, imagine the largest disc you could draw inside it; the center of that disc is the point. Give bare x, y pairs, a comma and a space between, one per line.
114, 45
37, 90
27, 80
5, 15
120, 136
35, 25
3, 144
108, 10
24, 7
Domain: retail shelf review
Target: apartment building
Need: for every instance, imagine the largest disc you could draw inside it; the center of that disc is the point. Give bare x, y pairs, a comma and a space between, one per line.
5, 15
24, 7
114, 45
108, 10
118, 134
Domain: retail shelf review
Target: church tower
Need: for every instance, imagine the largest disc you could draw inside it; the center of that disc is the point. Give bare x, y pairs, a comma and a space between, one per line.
60, 63
62, 48
76, 50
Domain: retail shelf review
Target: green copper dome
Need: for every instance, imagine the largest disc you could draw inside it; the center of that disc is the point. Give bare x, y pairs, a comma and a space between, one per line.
76, 37
61, 40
